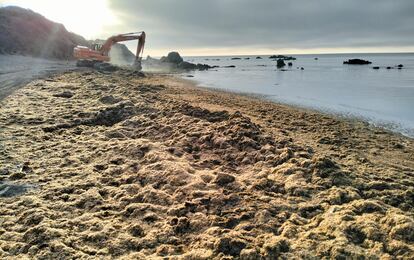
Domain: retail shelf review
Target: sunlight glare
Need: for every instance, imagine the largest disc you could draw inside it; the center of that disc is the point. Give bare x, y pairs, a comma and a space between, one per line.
87, 18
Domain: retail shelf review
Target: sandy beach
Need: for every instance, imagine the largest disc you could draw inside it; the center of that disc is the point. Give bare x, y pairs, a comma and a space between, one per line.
119, 165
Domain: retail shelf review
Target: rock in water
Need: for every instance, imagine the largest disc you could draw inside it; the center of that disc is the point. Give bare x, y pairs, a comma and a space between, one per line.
191, 66
283, 57
173, 57
357, 62
280, 63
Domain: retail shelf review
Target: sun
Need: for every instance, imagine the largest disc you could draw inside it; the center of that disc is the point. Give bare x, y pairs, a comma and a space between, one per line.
88, 18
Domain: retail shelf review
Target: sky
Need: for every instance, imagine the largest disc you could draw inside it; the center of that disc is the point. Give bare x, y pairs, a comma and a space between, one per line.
237, 27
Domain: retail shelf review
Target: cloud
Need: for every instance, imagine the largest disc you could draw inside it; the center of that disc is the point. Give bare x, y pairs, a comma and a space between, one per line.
270, 23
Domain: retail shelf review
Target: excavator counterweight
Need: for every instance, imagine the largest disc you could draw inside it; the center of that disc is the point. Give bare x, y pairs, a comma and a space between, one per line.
101, 52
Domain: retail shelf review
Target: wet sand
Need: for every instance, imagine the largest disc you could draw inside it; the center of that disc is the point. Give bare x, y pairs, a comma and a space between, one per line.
16, 71
122, 166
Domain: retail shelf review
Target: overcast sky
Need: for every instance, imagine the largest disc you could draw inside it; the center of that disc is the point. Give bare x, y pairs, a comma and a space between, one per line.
248, 26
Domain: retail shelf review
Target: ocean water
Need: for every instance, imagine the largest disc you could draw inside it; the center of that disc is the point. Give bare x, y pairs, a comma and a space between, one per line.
383, 97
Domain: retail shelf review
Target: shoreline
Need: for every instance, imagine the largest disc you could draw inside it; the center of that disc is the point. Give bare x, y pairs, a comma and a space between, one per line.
388, 126
351, 119
133, 167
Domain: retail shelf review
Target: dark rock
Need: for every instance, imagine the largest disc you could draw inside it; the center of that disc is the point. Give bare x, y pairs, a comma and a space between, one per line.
280, 63
400, 66
211, 116
290, 64
150, 217
4, 171
224, 179
357, 62
236, 58
173, 57
181, 225
64, 94
258, 58
283, 57
205, 66
229, 246
316, 59
112, 115
191, 66
247, 58
187, 66
376, 68
302, 68
86, 63
136, 73
230, 66
388, 68
26, 167
10, 189
136, 231
398, 146
109, 100
104, 66
274, 247
355, 235
17, 176
175, 61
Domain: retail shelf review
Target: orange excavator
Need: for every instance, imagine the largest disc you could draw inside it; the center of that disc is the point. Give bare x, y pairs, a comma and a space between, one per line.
100, 52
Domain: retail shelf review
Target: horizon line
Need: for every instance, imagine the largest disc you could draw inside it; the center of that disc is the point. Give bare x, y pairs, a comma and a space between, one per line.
291, 54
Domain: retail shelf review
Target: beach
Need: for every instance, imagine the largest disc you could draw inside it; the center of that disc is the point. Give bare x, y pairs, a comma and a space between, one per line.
121, 165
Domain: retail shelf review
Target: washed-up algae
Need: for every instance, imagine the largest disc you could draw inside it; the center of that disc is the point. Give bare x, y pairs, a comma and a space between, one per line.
151, 167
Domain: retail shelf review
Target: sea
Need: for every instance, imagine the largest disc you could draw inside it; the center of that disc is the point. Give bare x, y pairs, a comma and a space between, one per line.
383, 97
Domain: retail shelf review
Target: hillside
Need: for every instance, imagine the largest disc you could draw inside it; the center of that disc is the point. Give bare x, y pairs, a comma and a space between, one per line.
28, 33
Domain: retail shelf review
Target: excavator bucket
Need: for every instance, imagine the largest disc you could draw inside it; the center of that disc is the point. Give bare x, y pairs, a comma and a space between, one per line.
137, 65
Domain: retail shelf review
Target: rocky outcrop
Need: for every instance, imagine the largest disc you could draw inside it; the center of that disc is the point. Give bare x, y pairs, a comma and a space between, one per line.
25, 32
175, 62
172, 57
357, 62
282, 57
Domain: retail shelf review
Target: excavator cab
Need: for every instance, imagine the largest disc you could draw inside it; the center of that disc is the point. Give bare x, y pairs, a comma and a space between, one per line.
96, 46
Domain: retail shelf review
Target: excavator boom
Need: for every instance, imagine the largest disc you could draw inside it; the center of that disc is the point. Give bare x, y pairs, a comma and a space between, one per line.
102, 54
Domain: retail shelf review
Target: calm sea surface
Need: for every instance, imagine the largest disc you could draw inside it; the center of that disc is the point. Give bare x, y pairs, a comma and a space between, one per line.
383, 97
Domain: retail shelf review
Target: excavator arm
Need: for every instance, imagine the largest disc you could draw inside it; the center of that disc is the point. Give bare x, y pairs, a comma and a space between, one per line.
140, 36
